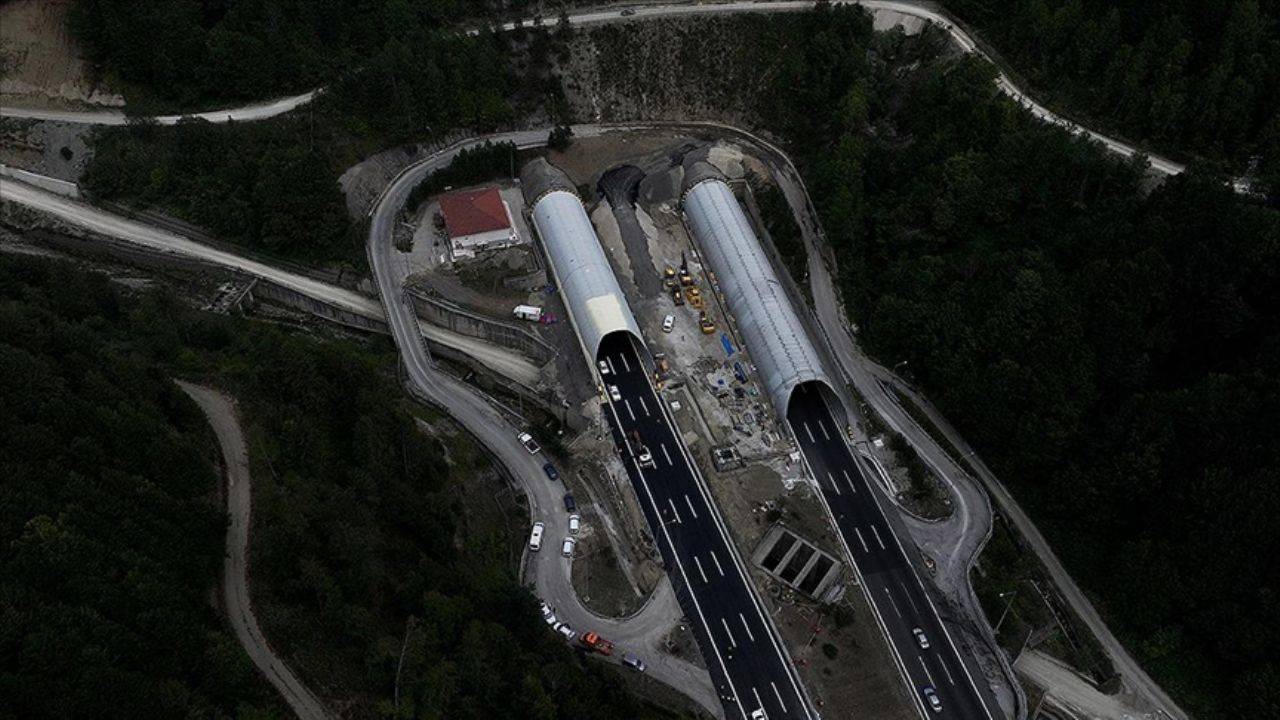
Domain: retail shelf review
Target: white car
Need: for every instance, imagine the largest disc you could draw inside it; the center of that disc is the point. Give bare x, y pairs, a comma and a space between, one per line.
668, 323
604, 367
529, 443
535, 537
931, 696
759, 714
565, 630
614, 393
921, 639
567, 548
646, 459
575, 523
548, 615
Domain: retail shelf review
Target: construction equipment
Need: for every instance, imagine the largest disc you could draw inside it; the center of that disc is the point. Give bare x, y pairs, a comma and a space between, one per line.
660, 362
685, 278
593, 641
694, 296
677, 296
704, 322
669, 277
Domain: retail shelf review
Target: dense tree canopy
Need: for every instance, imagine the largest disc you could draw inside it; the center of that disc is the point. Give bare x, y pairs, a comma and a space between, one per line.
1114, 354
192, 53
1189, 77
111, 538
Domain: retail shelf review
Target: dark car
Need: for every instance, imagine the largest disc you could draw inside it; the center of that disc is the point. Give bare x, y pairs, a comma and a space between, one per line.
569, 504
551, 472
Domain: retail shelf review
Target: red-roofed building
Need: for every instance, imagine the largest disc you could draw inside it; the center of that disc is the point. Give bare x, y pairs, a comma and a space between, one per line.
477, 220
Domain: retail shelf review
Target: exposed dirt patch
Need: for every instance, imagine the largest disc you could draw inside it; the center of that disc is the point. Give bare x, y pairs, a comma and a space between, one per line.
40, 62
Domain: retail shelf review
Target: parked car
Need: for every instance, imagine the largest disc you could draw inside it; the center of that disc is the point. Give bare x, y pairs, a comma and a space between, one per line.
931, 697
569, 504
535, 537
567, 548
614, 393
575, 523
529, 443
550, 470
921, 639
668, 323
633, 662
548, 615
565, 630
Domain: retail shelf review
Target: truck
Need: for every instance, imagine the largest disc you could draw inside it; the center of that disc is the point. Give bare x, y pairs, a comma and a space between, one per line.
707, 324
592, 641
677, 296
532, 313
694, 296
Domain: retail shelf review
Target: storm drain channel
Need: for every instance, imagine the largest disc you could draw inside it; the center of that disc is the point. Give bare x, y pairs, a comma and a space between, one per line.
796, 562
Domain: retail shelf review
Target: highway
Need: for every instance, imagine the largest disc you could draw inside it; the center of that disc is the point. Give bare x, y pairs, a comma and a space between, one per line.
888, 578
748, 663
640, 634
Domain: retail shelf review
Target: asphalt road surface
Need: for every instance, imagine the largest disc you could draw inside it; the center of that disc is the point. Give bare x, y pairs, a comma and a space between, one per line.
890, 581
748, 664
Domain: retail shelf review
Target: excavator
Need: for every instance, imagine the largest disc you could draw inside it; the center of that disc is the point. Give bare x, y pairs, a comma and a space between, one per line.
707, 324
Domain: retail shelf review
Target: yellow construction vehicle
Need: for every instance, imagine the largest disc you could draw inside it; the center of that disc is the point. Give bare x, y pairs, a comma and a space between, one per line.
685, 278
669, 277
694, 296
706, 323
677, 296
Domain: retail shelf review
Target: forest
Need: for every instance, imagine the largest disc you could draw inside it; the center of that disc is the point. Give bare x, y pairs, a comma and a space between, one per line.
1114, 353
111, 539
1189, 78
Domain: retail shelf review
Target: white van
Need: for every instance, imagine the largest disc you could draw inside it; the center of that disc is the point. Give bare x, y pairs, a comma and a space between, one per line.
535, 538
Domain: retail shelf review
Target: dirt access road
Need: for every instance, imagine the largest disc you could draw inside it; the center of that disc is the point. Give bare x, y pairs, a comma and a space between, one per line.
221, 411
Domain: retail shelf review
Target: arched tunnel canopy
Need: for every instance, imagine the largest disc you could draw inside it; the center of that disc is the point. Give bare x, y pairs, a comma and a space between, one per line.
772, 331
596, 304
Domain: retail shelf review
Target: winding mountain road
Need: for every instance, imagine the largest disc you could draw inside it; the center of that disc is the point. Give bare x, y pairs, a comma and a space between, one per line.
640, 634
221, 413
886, 12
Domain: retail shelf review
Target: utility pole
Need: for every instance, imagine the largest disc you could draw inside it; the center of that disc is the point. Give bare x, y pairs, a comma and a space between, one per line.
1012, 594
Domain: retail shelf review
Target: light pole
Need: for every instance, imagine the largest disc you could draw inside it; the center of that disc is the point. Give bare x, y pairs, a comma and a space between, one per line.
1011, 595
894, 369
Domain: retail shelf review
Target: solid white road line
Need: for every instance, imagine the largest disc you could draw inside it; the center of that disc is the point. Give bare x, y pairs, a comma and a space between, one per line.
700, 572
823, 427
727, 631
747, 627
926, 669
846, 479
645, 406
718, 567
943, 662
861, 540
689, 502
629, 410
806, 429
666, 454
778, 695
877, 534
675, 512
891, 602
910, 599
832, 478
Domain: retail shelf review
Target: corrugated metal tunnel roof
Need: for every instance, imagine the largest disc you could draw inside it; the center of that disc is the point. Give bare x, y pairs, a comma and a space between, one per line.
596, 304
771, 330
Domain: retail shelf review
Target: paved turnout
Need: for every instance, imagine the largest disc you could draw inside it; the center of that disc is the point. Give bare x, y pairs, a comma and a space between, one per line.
890, 581
747, 661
